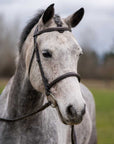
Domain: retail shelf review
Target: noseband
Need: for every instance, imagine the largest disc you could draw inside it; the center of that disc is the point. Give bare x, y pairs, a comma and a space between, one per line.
47, 85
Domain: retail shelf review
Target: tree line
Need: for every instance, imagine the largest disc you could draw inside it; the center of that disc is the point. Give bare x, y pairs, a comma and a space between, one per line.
90, 66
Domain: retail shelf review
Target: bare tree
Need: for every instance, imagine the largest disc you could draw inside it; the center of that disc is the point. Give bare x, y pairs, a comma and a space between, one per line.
88, 62
8, 40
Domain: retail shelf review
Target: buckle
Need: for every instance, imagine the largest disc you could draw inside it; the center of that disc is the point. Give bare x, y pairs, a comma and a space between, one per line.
51, 98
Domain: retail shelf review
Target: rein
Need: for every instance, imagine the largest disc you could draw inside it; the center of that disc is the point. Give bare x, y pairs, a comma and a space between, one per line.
47, 86
27, 115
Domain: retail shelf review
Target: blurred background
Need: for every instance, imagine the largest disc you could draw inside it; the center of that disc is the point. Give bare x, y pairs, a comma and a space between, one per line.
95, 34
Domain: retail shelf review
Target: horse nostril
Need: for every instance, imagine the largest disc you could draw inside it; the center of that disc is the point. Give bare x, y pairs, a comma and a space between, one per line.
83, 111
71, 111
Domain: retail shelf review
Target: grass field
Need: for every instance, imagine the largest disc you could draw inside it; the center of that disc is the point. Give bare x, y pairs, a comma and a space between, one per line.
103, 92
105, 115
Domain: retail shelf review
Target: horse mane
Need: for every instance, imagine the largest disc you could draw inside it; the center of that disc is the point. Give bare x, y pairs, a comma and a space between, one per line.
32, 22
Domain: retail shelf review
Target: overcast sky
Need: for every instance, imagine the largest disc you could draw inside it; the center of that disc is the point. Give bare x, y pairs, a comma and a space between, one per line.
98, 19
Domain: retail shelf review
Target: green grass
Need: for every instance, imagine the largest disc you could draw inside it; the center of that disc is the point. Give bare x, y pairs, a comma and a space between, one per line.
104, 115
1, 88
104, 99
3, 82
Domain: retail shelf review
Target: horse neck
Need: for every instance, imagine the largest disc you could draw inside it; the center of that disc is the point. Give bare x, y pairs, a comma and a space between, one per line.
46, 127
22, 97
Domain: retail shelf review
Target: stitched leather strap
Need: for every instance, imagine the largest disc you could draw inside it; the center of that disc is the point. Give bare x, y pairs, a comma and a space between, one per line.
58, 79
27, 115
59, 29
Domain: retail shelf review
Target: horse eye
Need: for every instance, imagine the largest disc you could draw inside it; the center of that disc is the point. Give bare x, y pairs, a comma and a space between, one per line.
46, 53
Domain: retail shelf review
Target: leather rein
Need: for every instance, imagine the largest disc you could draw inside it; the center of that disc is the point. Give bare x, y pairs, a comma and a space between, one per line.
47, 86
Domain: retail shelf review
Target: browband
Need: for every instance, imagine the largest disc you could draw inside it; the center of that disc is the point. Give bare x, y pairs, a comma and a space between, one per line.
59, 29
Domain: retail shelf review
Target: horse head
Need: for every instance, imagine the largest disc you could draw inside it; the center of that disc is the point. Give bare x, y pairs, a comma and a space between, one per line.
59, 54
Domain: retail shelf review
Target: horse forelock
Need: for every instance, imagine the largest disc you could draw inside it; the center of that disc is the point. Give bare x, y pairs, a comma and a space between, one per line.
32, 22
58, 21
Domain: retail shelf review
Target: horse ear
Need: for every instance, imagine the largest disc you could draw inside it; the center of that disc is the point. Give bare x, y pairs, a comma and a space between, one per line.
74, 19
48, 14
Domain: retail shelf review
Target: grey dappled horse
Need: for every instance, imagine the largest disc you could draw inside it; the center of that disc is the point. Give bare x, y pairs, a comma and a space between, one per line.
59, 54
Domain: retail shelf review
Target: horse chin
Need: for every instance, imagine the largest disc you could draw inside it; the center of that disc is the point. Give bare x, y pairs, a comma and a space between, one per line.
72, 121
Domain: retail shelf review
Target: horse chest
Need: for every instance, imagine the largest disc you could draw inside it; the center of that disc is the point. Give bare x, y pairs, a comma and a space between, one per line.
46, 129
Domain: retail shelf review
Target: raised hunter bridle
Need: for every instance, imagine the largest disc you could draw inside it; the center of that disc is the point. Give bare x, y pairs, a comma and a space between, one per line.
51, 99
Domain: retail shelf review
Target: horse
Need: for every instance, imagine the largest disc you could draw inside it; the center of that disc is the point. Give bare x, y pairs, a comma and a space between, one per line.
49, 77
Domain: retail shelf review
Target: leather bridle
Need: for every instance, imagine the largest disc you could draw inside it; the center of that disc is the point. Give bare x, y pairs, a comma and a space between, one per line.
47, 86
